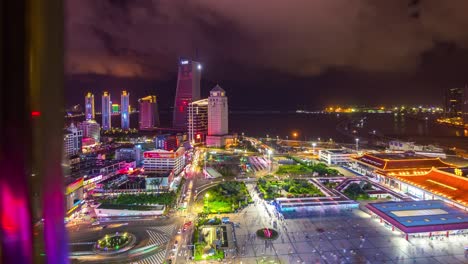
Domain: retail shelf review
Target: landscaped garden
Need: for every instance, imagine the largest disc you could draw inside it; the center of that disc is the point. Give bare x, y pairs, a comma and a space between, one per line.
301, 168
143, 199
206, 244
357, 191
271, 189
226, 197
114, 243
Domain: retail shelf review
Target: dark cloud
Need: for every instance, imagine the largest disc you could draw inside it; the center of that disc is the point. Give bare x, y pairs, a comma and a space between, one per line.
244, 39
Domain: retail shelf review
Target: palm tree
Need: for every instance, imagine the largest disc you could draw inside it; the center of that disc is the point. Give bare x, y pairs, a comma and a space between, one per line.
157, 182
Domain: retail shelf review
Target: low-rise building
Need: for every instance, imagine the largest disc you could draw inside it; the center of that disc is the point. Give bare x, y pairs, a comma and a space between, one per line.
161, 161
335, 156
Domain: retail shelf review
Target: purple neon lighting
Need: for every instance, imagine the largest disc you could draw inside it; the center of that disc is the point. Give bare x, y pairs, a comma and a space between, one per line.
15, 225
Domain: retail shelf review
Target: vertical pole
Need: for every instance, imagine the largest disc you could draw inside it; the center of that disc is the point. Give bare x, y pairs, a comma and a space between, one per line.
46, 75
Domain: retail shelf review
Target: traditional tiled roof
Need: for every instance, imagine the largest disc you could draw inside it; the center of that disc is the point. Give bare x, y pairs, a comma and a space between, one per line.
441, 183
391, 162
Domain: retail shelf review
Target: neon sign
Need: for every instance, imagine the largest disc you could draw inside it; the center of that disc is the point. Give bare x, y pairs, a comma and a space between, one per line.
184, 62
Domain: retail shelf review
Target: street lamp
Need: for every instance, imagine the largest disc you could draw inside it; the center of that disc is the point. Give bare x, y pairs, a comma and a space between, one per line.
357, 144
269, 160
313, 147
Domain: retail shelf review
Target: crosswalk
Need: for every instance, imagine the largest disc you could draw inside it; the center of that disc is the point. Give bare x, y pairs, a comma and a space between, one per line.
167, 229
157, 258
157, 238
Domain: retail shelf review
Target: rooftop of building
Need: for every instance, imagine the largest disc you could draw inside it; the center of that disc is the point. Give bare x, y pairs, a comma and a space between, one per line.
441, 183
338, 151
421, 216
217, 88
402, 161
200, 102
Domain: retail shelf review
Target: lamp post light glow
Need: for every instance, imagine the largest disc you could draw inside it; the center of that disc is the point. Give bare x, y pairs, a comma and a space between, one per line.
357, 144
269, 160
313, 147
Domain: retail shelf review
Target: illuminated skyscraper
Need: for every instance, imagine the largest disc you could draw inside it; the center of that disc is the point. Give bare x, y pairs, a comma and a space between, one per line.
106, 111
89, 106
187, 91
197, 121
148, 116
125, 110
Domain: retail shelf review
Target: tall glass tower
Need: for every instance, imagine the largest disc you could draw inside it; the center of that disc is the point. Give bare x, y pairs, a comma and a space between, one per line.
106, 111
89, 106
187, 91
125, 110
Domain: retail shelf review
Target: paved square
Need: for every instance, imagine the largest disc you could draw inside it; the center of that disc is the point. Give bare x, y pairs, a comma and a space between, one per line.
350, 237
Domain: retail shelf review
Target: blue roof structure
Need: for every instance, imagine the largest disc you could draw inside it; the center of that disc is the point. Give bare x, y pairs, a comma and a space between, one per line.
421, 216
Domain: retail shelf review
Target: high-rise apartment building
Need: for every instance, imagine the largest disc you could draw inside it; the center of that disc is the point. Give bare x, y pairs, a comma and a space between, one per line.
187, 91
465, 105
89, 106
106, 111
125, 110
91, 129
148, 116
72, 140
197, 121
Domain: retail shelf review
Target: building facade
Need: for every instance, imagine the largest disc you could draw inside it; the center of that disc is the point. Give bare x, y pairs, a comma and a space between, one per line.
72, 140
129, 154
125, 110
91, 129
335, 156
453, 102
217, 118
187, 91
197, 121
166, 142
148, 115
89, 106
106, 111
163, 161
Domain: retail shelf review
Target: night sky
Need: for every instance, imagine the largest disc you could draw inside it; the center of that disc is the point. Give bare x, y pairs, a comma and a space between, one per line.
270, 54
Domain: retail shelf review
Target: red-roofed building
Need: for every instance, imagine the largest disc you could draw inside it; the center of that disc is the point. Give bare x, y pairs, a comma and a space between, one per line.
392, 164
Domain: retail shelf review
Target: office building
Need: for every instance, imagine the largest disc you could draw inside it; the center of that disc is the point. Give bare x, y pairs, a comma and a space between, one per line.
187, 91
91, 129
106, 111
162, 161
129, 154
197, 121
453, 102
72, 140
148, 116
125, 110
89, 106
217, 118
166, 142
